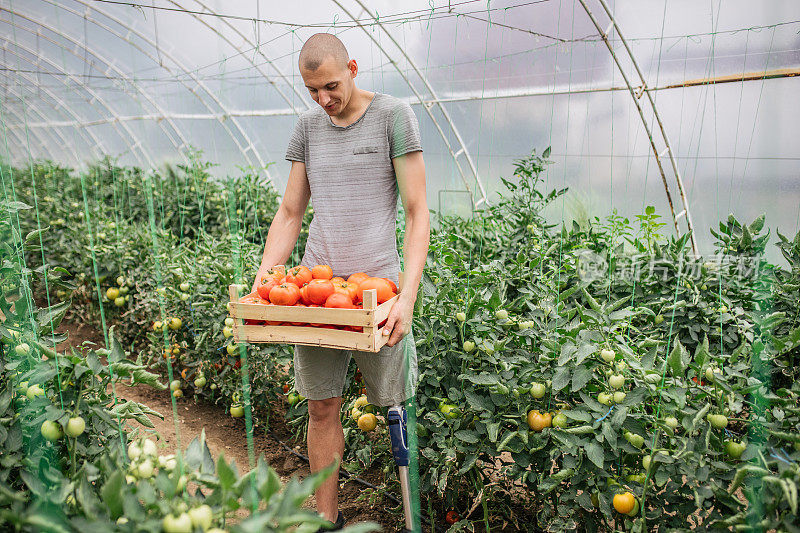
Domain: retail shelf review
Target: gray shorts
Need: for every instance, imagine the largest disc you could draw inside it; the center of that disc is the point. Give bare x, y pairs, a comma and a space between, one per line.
390, 375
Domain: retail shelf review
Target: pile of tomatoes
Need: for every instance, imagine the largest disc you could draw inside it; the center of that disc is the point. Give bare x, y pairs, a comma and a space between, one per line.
317, 287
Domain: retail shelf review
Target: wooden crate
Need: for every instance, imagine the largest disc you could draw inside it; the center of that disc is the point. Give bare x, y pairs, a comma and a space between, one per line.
371, 339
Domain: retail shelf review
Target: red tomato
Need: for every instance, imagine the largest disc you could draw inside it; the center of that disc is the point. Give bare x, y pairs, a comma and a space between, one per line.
337, 279
272, 275
319, 290
284, 294
264, 288
451, 517
299, 275
303, 296
391, 284
339, 301
322, 272
350, 289
358, 277
381, 286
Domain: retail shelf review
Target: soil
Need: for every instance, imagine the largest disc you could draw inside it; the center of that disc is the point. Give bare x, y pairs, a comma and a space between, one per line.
227, 436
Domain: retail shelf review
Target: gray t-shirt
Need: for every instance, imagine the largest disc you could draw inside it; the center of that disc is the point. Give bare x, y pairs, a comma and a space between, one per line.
353, 185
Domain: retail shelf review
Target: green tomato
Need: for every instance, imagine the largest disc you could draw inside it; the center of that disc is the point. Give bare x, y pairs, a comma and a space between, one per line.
119, 301
635, 510
120, 281
449, 410
712, 373
461, 317
658, 319
34, 391
469, 346
134, 451
175, 323
717, 421
595, 500
145, 469
293, 398
619, 397
538, 390
501, 389
229, 322
560, 420
604, 398
22, 349
201, 517
227, 331
200, 382
237, 411
177, 524
607, 355
646, 460
617, 381
723, 309
175, 385
734, 449
75, 426
501, 314
184, 287
634, 439
51, 430
671, 422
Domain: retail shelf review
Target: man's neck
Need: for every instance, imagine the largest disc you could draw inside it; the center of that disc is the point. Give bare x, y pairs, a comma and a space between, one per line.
356, 107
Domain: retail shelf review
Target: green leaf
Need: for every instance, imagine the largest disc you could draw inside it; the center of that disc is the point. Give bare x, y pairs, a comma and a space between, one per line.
117, 352
676, 358
227, 477
467, 435
111, 493
492, 429
478, 402
580, 378
595, 453
561, 378
481, 379
701, 353
50, 317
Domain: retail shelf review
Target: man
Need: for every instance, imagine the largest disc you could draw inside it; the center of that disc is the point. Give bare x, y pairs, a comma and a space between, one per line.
351, 157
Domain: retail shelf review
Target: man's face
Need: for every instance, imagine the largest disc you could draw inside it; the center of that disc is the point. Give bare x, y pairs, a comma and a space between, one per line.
331, 85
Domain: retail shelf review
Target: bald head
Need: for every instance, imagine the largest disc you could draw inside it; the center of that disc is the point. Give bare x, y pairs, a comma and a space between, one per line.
320, 47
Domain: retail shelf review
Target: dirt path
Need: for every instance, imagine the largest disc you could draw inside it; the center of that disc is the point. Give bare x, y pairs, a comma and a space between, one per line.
226, 435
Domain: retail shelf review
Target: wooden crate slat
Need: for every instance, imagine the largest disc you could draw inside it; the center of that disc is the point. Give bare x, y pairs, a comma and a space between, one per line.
370, 340
332, 338
313, 315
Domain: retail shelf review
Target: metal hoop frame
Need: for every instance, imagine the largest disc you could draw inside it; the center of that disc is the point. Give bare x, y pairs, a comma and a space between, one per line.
237, 131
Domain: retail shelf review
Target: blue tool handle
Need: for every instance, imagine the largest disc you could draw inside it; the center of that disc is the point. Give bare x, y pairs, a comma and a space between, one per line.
398, 435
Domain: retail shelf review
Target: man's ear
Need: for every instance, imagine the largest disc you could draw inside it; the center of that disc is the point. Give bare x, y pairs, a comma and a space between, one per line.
353, 67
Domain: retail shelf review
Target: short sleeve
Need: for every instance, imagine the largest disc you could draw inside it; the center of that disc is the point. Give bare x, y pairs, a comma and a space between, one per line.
403, 131
296, 151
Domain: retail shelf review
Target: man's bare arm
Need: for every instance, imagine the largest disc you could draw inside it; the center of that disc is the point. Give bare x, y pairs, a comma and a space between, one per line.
285, 227
410, 171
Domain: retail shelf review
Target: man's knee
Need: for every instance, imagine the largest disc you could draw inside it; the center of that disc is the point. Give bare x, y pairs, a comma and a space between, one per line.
324, 410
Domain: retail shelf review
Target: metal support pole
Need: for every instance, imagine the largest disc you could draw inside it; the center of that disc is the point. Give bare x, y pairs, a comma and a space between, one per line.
635, 98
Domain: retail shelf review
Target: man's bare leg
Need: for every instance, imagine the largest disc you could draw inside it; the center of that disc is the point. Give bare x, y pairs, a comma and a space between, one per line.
326, 444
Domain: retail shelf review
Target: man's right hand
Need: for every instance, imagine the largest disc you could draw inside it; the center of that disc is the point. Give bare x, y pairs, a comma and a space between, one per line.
261, 272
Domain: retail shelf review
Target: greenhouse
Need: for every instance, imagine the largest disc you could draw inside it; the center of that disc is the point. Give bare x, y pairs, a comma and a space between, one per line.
433, 266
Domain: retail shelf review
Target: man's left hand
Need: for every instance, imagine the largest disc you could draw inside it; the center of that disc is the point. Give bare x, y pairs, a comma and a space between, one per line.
398, 323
